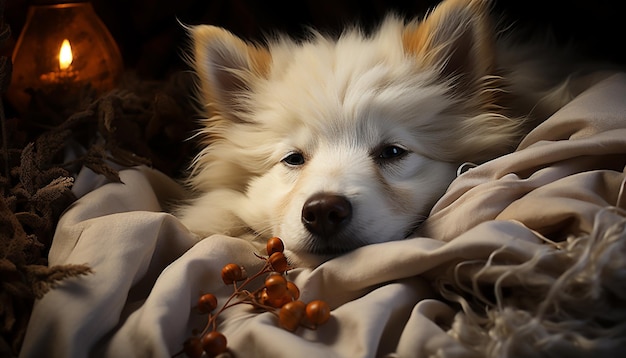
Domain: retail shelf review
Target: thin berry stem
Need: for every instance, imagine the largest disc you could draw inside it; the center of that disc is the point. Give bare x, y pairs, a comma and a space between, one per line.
238, 290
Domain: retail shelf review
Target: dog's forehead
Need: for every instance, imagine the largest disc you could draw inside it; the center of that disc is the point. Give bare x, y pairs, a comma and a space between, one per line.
331, 70
350, 85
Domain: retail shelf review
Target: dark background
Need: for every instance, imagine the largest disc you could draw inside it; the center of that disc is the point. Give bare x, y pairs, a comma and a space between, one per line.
151, 39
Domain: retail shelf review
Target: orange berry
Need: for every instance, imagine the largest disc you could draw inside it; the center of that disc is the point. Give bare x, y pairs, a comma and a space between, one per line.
291, 314
280, 301
279, 262
317, 312
232, 273
193, 347
293, 290
214, 343
262, 298
274, 244
207, 303
275, 286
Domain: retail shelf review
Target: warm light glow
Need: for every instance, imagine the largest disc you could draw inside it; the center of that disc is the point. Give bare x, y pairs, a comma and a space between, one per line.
65, 55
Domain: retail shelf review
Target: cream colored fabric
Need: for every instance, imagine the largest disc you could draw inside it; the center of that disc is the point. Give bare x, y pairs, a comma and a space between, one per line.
566, 169
386, 298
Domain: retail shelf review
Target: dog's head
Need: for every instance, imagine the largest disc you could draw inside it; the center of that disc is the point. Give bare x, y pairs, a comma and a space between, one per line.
339, 143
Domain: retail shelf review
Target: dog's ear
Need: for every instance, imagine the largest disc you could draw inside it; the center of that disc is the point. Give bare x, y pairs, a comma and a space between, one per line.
226, 67
456, 38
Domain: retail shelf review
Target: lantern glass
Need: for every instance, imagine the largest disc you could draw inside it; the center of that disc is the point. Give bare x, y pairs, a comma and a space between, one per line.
62, 49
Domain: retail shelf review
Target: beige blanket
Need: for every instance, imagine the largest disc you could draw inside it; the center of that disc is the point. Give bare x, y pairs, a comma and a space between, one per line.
523, 256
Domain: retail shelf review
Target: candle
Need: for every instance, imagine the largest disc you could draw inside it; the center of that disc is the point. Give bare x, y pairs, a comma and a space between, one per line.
65, 74
63, 58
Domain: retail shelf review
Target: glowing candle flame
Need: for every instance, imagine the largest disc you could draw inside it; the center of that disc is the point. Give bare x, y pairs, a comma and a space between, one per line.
65, 55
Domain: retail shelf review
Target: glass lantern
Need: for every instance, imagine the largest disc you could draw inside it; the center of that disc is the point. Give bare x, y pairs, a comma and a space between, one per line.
63, 51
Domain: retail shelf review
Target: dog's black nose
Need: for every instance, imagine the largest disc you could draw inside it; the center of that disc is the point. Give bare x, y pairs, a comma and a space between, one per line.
323, 214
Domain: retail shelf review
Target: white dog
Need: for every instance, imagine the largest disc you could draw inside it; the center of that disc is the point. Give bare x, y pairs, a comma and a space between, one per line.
332, 144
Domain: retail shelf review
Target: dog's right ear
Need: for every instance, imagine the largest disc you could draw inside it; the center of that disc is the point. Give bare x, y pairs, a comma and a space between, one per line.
226, 67
457, 38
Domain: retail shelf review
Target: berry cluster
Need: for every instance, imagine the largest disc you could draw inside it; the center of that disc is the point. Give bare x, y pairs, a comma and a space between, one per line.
278, 296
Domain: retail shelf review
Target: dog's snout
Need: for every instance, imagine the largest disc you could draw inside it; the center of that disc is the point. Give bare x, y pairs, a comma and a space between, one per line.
324, 214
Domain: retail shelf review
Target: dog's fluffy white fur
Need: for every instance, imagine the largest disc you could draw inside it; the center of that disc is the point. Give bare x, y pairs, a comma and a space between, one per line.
335, 143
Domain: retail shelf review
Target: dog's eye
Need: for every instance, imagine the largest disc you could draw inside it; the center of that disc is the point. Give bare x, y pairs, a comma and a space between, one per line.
391, 152
294, 159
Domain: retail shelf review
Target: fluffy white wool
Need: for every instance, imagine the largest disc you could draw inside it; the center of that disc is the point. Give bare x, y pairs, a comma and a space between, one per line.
564, 302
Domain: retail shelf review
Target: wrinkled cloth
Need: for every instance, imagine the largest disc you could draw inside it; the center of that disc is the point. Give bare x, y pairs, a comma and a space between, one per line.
149, 271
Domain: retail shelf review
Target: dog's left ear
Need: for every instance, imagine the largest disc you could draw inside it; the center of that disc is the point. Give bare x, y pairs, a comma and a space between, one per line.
457, 38
226, 67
